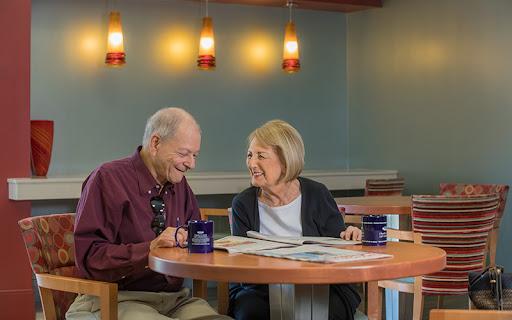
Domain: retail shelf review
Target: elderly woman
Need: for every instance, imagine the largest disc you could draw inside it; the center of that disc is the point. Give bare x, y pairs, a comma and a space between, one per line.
284, 204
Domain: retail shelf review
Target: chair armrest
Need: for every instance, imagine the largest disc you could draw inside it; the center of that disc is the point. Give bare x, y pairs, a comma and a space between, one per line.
105, 290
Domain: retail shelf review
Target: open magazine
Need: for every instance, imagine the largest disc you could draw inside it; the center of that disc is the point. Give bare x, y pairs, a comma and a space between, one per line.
323, 241
305, 252
233, 244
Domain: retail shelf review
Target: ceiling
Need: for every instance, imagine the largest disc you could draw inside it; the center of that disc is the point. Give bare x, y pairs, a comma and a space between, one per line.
324, 5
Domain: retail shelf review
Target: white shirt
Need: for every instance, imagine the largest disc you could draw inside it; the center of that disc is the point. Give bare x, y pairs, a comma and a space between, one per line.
281, 221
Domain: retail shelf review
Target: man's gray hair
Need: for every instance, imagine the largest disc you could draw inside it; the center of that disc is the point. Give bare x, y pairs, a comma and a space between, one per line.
165, 122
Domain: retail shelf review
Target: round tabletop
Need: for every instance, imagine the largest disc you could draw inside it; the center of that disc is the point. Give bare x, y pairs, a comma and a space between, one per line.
408, 260
376, 204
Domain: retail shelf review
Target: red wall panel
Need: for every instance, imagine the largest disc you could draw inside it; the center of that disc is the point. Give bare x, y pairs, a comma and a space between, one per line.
16, 294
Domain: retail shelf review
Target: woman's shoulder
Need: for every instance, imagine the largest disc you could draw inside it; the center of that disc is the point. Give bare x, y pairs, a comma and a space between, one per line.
310, 184
247, 194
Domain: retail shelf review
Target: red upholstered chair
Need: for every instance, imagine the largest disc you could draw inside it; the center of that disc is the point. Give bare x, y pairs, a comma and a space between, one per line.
457, 224
460, 226
49, 244
501, 190
384, 187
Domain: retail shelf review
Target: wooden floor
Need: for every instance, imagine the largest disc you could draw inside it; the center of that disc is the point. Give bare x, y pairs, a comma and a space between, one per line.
430, 302
450, 302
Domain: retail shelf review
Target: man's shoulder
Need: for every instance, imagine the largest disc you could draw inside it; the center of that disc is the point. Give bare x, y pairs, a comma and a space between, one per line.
113, 169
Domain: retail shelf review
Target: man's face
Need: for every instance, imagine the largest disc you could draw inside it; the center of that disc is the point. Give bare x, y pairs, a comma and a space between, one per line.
175, 156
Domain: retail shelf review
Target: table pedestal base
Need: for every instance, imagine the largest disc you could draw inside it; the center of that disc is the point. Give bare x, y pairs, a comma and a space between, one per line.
299, 301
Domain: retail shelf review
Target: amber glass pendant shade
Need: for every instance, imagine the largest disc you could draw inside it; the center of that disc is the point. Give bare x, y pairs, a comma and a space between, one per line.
291, 50
206, 58
115, 45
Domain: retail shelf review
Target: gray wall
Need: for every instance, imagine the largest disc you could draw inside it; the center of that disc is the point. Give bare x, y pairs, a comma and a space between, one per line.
100, 112
429, 94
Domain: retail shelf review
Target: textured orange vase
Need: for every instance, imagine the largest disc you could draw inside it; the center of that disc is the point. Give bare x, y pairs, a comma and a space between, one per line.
41, 142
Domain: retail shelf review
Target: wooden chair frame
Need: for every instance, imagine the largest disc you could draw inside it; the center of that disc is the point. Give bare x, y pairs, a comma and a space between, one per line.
376, 288
105, 290
199, 287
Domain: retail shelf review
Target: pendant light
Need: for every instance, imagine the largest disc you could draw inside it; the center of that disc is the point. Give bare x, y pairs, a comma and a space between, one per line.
206, 58
291, 49
115, 44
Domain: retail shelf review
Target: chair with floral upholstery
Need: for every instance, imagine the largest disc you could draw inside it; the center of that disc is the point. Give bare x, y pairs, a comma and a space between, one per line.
469, 189
49, 243
384, 187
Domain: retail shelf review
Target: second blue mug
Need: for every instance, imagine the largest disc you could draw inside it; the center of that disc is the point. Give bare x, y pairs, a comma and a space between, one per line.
374, 230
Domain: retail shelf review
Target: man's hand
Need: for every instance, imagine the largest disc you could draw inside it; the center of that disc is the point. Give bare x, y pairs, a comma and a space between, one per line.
166, 238
352, 233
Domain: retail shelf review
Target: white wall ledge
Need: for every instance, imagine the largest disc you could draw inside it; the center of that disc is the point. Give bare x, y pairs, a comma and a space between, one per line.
202, 183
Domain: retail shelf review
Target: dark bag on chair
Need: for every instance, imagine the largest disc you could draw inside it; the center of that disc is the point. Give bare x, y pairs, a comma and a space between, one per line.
491, 289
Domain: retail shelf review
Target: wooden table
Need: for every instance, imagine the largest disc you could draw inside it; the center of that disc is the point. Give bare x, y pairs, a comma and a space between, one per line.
376, 205
388, 205
299, 288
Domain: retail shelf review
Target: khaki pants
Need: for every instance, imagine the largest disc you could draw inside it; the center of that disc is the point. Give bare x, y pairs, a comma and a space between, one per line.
137, 305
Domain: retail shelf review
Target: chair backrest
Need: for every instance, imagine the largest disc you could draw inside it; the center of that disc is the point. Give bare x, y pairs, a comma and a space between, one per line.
460, 226
207, 212
384, 187
49, 243
470, 189
403, 235
353, 219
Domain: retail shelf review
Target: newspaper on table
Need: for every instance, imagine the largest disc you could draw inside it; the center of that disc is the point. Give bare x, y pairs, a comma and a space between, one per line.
322, 254
323, 241
305, 252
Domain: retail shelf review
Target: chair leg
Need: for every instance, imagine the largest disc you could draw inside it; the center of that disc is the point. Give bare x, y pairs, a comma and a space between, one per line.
222, 297
48, 303
487, 248
417, 310
363, 305
471, 305
493, 244
440, 301
373, 301
199, 289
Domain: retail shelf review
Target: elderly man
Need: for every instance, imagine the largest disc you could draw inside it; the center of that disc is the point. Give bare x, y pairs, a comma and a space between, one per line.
131, 206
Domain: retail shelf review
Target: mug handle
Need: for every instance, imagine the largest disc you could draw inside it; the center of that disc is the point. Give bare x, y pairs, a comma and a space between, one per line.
176, 236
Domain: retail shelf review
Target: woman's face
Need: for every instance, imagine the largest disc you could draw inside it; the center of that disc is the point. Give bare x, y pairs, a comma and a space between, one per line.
264, 165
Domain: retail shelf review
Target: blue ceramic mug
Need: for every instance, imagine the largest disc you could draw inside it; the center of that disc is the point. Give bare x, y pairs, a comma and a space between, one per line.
374, 230
200, 236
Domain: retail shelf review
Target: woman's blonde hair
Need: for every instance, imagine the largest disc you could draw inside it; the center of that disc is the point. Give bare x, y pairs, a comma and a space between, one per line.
286, 142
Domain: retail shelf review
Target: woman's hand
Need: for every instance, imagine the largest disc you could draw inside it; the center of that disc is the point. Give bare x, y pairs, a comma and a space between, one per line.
352, 233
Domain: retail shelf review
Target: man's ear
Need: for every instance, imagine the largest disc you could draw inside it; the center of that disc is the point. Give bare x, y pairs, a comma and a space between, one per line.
155, 142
